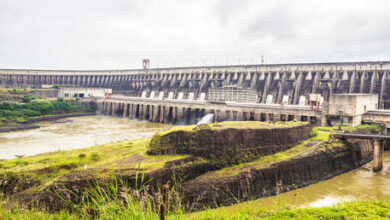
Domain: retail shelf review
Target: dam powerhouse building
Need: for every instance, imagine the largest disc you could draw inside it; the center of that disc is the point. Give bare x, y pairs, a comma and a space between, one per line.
321, 93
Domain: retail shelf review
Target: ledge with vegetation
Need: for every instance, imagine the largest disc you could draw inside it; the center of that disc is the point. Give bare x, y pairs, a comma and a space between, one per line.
122, 180
16, 116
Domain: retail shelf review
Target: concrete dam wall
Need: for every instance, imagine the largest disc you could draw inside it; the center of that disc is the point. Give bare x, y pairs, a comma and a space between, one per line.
272, 83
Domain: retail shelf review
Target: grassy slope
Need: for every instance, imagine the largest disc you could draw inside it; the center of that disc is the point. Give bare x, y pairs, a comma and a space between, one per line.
237, 125
106, 156
372, 209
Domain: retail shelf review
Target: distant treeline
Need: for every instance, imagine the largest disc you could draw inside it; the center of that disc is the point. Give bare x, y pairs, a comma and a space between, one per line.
11, 112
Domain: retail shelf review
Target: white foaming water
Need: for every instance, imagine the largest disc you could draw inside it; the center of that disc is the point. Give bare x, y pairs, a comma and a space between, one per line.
206, 119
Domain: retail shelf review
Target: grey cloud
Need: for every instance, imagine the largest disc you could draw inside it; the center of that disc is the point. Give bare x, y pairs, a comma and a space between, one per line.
99, 34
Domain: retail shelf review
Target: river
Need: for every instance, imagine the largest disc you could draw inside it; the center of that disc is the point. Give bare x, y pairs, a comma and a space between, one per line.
87, 131
72, 133
360, 183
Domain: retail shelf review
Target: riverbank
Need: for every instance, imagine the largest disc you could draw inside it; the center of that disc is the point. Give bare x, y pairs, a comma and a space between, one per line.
44, 177
30, 123
15, 116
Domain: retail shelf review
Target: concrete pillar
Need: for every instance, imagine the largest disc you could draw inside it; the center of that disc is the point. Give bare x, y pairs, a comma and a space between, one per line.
166, 113
179, 115
112, 109
125, 110
161, 114
99, 108
240, 116
378, 156
155, 113
266, 117
145, 112
141, 112
133, 111
257, 116
174, 115
103, 108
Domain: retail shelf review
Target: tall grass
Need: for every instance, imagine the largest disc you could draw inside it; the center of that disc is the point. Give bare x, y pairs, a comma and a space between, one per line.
103, 200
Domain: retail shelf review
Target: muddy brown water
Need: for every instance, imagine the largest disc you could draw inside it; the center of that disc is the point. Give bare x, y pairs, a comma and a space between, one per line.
357, 184
73, 133
87, 131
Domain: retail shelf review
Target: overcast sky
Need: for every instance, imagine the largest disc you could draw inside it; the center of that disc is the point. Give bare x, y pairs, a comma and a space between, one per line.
118, 34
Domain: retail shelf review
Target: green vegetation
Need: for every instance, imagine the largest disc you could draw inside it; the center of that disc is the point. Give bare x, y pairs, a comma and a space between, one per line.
10, 112
370, 209
28, 98
374, 128
235, 124
128, 156
112, 206
21, 90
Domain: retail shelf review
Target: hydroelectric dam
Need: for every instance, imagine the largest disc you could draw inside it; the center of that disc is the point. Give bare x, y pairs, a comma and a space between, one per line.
268, 92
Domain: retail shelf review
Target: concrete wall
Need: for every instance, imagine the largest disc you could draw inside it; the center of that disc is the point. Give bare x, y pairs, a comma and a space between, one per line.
174, 112
352, 104
351, 107
278, 82
86, 92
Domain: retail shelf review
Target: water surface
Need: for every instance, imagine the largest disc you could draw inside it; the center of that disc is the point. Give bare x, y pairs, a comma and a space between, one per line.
72, 133
360, 183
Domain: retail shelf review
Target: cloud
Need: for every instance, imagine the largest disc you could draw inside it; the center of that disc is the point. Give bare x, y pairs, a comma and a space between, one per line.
118, 34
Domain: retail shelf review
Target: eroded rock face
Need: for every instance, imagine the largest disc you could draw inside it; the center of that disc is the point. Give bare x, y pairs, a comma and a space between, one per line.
279, 177
230, 145
197, 192
11, 183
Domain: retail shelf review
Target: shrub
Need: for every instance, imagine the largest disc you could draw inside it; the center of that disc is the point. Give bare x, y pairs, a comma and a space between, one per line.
95, 156
13, 112
81, 156
28, 98
313, 133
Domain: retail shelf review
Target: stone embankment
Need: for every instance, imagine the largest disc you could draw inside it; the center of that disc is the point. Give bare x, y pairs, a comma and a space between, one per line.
202, 180
230, 145
324, 163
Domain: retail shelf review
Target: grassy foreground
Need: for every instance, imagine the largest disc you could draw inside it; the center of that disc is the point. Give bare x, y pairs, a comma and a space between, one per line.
365, 209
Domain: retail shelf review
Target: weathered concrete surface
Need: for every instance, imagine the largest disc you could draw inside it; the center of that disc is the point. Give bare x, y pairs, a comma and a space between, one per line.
185, 112
277, 80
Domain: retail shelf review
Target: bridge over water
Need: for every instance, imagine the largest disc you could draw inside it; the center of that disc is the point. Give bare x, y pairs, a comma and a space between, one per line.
378, 144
